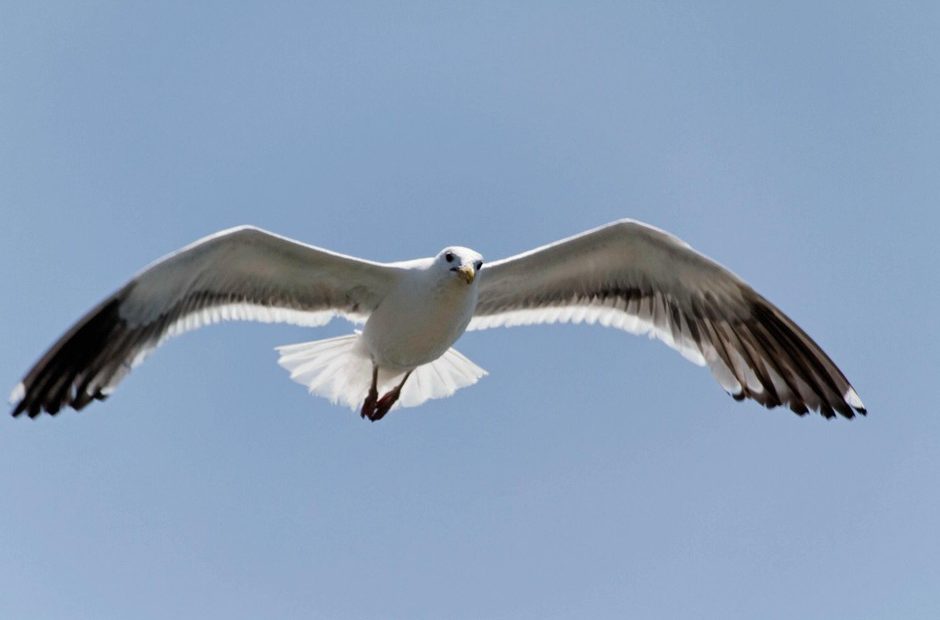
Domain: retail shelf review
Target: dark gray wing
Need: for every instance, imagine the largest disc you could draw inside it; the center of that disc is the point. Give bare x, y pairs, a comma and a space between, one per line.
239, 274
642, 280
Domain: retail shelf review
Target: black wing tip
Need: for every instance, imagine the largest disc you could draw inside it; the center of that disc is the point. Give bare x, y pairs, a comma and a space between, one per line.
18, 399
33, 406
75, 370
830, 411
851, 404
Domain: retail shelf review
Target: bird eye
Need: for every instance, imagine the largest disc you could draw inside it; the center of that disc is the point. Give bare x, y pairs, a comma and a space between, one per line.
449, 257
478, 265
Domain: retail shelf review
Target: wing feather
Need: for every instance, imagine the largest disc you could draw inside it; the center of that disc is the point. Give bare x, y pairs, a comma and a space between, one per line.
239, 274
645, 281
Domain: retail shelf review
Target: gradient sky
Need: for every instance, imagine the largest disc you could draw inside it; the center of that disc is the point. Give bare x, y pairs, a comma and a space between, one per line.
593, 474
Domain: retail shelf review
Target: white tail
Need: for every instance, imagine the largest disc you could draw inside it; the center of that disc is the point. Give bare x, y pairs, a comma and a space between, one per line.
340, 369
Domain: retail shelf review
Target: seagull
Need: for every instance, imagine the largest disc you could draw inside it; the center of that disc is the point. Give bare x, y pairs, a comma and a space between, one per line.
626, 275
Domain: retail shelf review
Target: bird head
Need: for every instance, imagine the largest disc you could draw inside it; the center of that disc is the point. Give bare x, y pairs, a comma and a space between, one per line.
463, 263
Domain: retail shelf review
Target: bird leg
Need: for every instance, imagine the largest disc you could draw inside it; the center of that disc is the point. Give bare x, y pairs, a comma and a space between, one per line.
385, 403
368, 406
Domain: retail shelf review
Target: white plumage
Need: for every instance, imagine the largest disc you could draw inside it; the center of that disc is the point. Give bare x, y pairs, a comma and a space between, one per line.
338, 369
625, 275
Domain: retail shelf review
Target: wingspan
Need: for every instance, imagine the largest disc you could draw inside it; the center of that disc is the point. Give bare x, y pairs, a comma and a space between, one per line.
239, 274
645, 281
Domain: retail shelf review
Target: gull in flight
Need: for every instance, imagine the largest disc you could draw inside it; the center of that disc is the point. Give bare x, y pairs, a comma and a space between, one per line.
625, 275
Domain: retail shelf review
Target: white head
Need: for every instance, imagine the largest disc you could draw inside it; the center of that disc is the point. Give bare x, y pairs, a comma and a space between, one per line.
460, 262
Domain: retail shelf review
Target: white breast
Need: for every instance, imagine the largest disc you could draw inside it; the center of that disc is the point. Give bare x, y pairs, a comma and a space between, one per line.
420, 319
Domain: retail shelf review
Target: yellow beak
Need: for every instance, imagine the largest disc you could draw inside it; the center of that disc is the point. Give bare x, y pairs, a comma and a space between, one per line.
467, 272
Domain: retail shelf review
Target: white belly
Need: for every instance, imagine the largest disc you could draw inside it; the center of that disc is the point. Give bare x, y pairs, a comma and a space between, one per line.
419, 321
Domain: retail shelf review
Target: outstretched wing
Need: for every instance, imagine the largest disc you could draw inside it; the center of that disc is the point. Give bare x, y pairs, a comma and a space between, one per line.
645, 281
239, 274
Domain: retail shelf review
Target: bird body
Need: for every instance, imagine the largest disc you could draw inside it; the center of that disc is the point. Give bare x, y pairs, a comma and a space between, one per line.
625, 275
411, 329
423, 315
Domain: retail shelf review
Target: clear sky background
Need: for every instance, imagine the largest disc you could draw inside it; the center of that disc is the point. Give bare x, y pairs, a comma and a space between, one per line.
593, 473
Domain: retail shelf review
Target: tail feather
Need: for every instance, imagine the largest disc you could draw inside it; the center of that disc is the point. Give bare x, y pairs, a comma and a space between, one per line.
440, 379
340, 370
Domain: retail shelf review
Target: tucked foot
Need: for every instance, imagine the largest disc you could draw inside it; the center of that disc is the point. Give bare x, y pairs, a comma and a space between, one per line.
368, 405
385, 403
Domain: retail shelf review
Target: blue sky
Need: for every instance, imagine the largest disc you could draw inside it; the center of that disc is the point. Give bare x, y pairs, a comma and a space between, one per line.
592, 474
